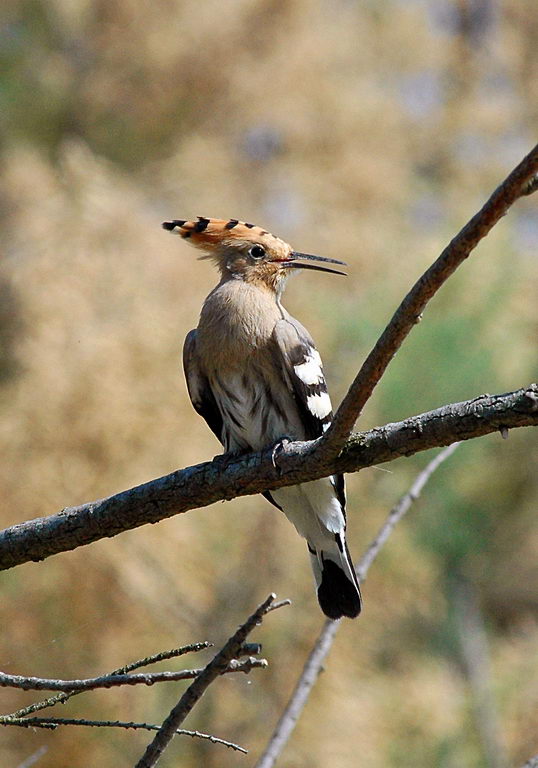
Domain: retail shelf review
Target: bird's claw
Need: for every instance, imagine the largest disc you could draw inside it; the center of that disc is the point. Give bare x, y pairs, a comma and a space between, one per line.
277, 449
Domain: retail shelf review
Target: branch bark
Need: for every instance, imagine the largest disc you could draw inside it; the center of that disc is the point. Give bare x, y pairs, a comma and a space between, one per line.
226, 477
521, 181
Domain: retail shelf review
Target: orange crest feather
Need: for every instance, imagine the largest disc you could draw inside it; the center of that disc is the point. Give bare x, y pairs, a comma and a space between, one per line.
212, 234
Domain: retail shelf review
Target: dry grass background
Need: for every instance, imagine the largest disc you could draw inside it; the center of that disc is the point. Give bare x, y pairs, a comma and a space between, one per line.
364, 131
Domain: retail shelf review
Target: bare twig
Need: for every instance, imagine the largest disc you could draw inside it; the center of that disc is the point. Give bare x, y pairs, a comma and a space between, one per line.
322, 646
206, 483
63, 697
51, 723
113, 681
214, 669
521, 181
116, 678
162, 656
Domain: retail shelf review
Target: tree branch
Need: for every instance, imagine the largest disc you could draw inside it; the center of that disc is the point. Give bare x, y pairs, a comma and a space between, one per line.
113, 681
322, 646
521, 181
401, 509
51, 723
61, 698
227, 477
214, 669
228, 659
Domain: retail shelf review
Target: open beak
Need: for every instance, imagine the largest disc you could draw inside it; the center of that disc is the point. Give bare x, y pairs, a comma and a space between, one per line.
294, 259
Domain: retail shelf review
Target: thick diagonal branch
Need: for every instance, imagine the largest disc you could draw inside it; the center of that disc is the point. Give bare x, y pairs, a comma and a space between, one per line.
520, 182
226, 478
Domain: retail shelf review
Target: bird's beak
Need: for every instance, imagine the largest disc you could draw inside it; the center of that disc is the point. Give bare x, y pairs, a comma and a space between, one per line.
294, 259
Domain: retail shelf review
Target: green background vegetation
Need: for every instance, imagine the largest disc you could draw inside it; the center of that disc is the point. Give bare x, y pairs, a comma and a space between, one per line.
366, 131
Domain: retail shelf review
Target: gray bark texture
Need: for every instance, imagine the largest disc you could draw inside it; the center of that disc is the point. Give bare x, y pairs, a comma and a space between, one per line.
229, 476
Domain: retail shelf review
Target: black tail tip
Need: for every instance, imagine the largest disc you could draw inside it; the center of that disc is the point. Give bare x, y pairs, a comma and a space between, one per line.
170, 225
337, 595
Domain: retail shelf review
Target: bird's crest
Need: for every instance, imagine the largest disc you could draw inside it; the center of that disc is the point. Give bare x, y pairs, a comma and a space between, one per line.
245, 250
214, 234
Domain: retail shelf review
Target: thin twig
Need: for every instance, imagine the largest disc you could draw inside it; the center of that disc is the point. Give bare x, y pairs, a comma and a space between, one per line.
61, 698
324, 641
193, 693
163, 656
51, 723
521, 181
297, 463
113, 681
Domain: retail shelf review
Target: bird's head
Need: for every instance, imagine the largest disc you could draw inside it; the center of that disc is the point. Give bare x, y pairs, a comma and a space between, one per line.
246, 252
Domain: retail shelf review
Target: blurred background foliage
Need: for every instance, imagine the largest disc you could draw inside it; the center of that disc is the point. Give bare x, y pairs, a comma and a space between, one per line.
367, 131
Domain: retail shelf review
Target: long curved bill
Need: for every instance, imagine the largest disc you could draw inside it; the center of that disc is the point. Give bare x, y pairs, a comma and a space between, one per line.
293, 262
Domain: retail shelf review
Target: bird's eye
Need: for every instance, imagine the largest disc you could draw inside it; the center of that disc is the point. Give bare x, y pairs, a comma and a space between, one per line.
257, 252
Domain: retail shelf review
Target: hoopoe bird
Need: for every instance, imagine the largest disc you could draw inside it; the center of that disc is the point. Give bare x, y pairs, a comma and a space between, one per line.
255, 376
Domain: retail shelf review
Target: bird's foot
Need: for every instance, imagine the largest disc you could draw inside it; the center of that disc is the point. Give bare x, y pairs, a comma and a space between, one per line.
277, 449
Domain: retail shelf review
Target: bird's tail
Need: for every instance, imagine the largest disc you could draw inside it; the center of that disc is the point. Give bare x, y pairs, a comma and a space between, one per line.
317, 512
338, 588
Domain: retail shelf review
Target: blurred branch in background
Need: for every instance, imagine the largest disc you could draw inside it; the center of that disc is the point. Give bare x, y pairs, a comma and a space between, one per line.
228, 477
324, 641
474, 651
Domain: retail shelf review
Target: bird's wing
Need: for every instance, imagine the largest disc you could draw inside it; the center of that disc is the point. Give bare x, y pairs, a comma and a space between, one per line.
299, 361
301, 367
200, 392
295, 352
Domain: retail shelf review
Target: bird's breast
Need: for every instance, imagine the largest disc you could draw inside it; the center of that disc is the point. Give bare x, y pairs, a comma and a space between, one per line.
237, 321
235, 348
257, 407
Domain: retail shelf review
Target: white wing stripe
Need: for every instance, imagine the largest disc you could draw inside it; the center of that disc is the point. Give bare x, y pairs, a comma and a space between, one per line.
310, 372
319, 405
